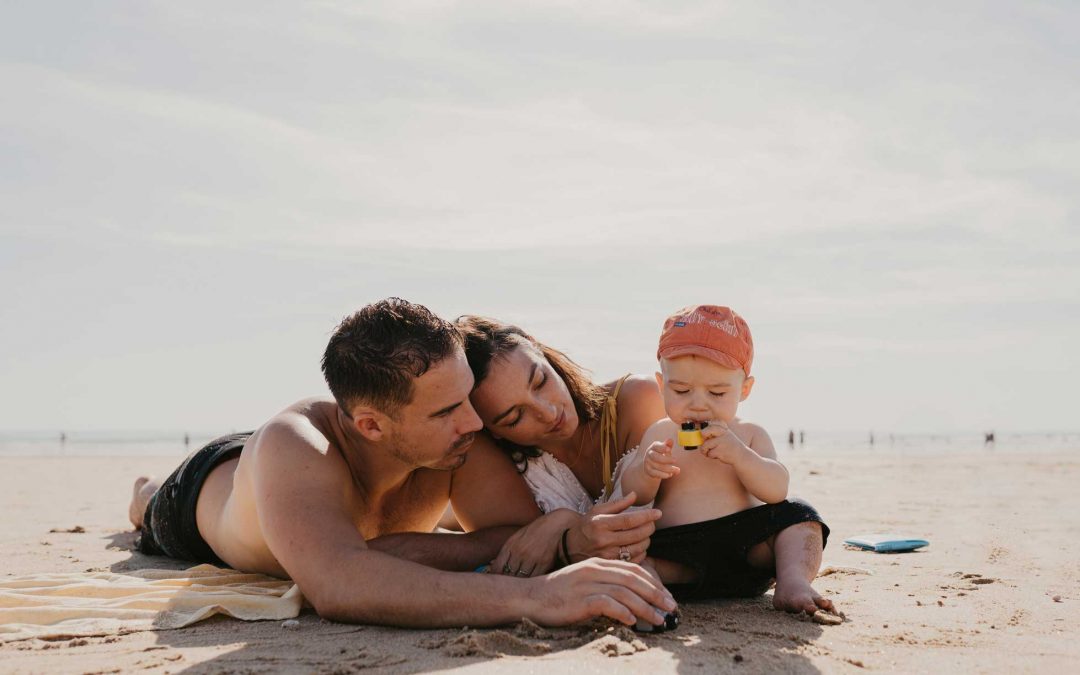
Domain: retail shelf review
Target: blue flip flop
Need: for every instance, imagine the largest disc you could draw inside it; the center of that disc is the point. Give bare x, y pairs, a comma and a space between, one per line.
886, 543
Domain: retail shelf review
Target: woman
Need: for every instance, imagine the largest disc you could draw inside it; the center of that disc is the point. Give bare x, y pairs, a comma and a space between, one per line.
566, 435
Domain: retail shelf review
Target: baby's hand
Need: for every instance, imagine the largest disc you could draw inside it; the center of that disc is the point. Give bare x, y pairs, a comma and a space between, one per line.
659, 462
720, 442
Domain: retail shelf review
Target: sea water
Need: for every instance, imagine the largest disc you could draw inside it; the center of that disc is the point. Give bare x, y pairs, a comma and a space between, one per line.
172, 443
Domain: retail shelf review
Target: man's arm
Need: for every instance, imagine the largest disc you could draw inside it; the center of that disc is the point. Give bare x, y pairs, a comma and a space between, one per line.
301, 501
488, 491
453, 552
487, 478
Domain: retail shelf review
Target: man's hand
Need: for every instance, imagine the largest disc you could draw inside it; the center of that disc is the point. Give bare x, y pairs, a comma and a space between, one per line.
659, 462
605, 532
618, 590
720, 442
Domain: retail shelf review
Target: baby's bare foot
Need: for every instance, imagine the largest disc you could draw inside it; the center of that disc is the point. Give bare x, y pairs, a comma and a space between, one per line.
145, 487
798, 595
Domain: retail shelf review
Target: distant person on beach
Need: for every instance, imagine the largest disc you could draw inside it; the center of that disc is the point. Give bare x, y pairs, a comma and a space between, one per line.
341, 495
791, 437
575, 442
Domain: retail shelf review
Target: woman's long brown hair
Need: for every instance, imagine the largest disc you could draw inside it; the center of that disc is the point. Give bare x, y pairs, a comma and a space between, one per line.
488, 339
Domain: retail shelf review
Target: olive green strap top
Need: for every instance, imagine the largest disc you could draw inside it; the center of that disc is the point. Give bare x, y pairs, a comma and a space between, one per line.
609, 438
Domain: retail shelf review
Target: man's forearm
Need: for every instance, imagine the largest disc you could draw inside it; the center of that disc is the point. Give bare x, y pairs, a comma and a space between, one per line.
452, 552
372, 587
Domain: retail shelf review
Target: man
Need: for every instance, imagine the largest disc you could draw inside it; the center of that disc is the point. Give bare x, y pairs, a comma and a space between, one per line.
335, 493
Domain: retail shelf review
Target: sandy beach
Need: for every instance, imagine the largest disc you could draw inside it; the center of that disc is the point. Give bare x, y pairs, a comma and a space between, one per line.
996, 591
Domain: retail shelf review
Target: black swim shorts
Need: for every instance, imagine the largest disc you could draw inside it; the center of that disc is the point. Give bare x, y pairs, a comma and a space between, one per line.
716, 549
169, 527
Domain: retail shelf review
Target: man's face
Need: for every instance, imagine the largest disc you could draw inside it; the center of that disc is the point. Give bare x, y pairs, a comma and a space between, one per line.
696, 389
436, 428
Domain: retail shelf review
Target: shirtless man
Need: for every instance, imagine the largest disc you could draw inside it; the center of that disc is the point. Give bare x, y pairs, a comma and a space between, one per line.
341, 496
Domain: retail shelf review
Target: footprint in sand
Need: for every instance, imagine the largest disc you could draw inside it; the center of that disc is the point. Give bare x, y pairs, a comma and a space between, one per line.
976, 579
1017, 618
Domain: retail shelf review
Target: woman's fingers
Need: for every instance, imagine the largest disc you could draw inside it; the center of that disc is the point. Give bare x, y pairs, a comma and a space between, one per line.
627, 521
633, 536
496, 565
637, 551
615, 505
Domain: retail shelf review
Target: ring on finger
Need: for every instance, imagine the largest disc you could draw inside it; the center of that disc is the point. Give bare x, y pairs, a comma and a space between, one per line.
506, 568
523, 573
624, 554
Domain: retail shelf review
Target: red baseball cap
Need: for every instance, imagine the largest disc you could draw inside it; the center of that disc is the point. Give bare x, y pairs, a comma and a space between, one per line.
713, 332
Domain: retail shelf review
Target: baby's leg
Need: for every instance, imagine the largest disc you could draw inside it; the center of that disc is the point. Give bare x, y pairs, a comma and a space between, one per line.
796, 554
671, 572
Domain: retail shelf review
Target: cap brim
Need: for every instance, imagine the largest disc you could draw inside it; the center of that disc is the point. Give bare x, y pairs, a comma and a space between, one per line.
704, 352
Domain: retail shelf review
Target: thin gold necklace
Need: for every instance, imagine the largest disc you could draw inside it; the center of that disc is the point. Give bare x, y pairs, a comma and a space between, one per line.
581, 446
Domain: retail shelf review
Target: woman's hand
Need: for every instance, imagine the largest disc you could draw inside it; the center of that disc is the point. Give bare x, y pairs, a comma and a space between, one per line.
605, 532
533, 550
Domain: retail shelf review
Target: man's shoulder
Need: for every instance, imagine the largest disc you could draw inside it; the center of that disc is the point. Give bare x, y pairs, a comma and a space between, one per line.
302, 431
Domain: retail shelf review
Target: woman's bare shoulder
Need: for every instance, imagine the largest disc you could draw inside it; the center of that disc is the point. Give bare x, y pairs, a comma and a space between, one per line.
639, 405
635, 387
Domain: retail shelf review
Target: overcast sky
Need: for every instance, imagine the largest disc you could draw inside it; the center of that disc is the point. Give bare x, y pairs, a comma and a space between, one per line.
193, 194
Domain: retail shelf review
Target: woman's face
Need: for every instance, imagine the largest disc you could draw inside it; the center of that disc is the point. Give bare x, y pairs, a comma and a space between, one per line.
524, 400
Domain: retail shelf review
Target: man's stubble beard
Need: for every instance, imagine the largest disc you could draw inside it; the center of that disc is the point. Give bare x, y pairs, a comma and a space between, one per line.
400, 450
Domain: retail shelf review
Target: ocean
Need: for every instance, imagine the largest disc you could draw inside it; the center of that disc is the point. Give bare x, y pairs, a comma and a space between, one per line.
178, 444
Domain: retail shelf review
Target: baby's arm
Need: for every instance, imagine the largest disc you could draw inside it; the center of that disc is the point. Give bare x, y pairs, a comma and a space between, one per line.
645, 472
754, 463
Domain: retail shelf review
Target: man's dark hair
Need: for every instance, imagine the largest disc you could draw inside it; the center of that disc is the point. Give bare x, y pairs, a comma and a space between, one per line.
375, 354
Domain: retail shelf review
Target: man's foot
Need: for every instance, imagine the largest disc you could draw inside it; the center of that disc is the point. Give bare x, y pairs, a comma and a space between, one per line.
145, 487
798, 595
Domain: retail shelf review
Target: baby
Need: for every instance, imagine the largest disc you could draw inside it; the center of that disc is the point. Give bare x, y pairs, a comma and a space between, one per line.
727, 529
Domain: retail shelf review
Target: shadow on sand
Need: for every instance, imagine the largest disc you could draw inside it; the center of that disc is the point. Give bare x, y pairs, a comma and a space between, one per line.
715, 636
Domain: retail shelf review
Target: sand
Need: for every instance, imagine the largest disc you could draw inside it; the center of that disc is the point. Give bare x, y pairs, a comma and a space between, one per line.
996, 591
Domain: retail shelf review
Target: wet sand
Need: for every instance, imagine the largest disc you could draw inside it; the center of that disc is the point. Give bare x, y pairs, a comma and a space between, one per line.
996, 591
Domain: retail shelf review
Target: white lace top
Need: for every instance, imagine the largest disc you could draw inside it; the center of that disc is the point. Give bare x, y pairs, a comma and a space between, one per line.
554, 485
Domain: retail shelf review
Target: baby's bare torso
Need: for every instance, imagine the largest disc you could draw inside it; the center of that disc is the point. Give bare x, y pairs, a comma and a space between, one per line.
705, 488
